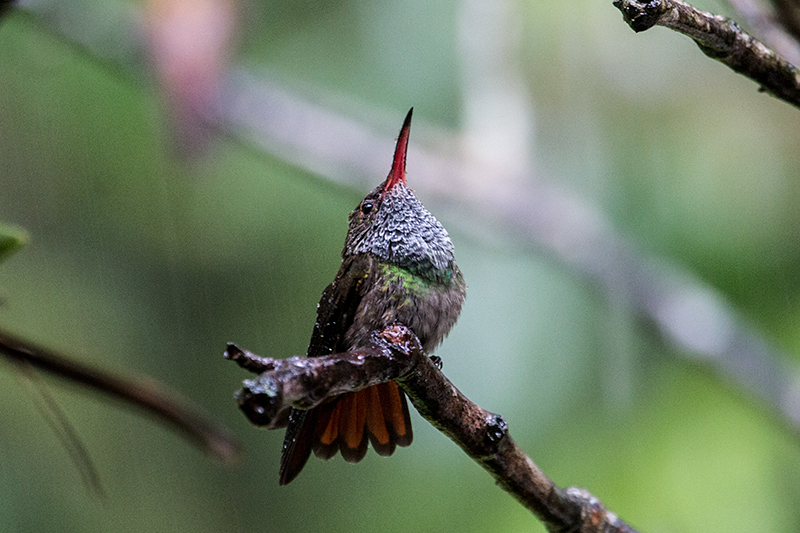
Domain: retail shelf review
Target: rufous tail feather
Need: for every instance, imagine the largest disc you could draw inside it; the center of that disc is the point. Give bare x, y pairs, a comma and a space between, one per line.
377, 414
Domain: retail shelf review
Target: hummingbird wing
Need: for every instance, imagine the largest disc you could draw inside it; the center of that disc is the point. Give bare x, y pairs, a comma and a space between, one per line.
335, 313
339, 304
378, 414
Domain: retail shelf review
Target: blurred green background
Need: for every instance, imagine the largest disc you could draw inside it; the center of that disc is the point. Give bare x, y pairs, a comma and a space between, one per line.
137, 262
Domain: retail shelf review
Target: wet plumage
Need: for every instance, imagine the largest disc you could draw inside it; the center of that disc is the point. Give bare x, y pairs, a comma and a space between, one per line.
398, 267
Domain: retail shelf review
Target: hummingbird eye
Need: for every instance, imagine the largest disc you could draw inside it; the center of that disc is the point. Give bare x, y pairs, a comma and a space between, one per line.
366, 207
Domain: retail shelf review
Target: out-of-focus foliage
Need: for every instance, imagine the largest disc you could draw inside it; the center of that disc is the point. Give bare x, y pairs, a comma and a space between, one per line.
11, 240
139, 262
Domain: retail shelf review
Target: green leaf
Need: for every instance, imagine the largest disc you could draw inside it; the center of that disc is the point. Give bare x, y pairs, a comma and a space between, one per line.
11, 239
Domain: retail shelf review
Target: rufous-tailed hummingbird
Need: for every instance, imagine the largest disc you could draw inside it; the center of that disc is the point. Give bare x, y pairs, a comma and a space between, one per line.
397, 267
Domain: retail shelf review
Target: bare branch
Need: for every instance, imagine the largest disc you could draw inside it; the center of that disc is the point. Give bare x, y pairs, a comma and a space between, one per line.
304, 383
395, 353
140, 392
719, 38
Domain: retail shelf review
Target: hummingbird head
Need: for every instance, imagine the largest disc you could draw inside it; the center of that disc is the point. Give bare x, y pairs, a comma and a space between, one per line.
393, 225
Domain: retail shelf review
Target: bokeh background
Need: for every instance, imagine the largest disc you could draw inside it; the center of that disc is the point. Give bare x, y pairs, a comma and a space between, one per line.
153, 243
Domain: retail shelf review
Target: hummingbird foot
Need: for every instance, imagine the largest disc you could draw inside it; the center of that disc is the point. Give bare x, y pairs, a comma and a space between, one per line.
437, 361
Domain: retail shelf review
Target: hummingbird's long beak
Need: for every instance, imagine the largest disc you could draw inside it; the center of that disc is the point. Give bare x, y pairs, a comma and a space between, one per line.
398, 173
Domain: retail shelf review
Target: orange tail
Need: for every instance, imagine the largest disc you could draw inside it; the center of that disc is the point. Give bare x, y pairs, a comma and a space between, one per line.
378, 413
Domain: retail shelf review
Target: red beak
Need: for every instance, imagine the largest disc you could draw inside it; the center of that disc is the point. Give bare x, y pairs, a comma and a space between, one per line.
398, 173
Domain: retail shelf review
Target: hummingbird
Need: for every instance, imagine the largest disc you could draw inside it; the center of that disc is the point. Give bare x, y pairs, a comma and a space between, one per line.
397, 267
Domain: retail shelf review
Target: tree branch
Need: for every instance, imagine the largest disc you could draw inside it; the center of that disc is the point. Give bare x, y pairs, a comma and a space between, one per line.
719, 38
143, 393
395, 354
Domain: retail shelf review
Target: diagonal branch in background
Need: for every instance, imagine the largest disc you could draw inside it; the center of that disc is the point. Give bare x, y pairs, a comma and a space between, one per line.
141, 392
395, 354
689, 313
719, 38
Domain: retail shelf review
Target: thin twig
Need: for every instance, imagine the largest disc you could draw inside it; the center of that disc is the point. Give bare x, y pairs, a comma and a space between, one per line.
395, 354
719, 38
141, 392
57, 419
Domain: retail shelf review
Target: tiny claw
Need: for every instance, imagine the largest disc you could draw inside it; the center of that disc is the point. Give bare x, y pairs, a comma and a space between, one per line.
437, 361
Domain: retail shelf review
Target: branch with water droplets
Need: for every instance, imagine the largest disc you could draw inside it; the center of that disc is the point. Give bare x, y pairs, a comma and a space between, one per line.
395, 354
719, 38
